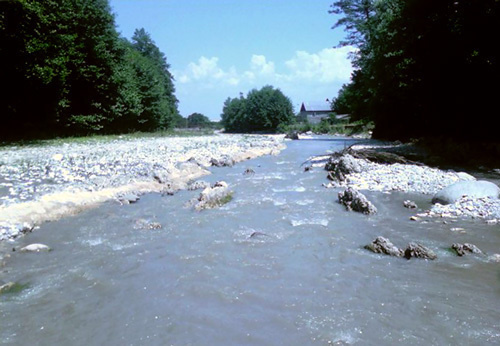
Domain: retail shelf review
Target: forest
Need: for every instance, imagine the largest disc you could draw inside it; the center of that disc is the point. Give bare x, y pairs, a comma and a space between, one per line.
422, 68
67, 71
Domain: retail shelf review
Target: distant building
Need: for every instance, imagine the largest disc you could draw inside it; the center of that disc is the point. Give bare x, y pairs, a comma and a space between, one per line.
314, 112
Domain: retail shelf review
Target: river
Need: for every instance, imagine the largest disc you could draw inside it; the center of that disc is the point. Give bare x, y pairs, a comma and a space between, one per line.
205, 278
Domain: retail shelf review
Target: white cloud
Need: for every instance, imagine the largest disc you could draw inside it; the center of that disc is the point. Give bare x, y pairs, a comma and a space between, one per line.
326, 66
259, 65
207, 70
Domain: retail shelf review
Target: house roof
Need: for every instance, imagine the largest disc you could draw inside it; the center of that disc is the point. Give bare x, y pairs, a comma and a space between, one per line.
316, 107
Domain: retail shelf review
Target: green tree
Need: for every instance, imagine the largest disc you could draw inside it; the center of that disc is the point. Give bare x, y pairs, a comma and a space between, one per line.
155, 83
198, 120
422, 67
262, 110
69, 72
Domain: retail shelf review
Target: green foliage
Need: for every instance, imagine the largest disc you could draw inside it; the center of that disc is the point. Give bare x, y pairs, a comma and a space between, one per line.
423, 68
70, 73
198, 120
262, 110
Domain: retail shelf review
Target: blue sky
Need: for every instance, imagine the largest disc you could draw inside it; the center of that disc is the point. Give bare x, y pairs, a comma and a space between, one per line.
219, 48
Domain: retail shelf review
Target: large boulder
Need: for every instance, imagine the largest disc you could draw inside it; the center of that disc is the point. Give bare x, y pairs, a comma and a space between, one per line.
356, 201
419, 251
466, 248
476, 189
384, 246
342, 166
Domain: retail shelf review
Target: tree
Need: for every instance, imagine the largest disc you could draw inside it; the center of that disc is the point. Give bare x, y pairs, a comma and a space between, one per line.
70, 73
198, 120
262, 110
422, 68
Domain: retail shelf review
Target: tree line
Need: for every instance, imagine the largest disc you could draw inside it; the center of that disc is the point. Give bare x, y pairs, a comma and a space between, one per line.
66, 71
422, 68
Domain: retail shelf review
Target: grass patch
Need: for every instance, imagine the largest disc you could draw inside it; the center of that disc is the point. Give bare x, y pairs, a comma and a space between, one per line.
12, 288
95, 139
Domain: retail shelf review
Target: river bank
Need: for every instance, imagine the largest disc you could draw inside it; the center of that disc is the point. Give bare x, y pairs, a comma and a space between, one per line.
387, 167
46, 182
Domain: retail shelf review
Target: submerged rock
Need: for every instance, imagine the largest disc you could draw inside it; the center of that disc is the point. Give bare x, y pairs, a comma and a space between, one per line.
466, 248
384, 246
248, 171
476, 189
356, 201
419, 251
36, 248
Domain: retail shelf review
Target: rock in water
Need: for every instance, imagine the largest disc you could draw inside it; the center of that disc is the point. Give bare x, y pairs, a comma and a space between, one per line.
248, 171
476, 189
384, 246
5, 288
292, 135
356, 201
222, 162
215, 196
343, 166
128, 198
464, 249
419, 251
197, 185
410, 204
35, 248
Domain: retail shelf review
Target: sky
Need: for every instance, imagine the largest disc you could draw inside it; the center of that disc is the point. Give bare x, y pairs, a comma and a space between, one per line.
220, 48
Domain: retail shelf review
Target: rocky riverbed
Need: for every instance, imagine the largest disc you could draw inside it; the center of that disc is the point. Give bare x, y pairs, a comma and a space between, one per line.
45, 182
346, 170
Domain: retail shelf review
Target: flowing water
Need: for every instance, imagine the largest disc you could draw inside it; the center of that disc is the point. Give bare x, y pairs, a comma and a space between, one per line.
281, 264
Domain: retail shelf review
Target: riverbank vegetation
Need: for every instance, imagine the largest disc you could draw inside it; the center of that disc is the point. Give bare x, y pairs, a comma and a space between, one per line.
423, 68
263, 110
66, 71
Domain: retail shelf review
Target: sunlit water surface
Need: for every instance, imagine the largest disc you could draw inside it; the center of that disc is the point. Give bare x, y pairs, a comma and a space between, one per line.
203, 279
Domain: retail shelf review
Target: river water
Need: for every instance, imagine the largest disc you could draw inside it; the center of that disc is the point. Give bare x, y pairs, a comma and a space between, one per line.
203, 279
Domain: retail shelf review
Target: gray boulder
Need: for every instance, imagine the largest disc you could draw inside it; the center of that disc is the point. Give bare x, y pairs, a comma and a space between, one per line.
410, 204
340, 167
384, 246
419, 251
356, 201
464, 249
476, 189
222, 162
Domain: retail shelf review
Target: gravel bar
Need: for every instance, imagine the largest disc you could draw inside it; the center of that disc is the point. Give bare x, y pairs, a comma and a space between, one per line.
40, 183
